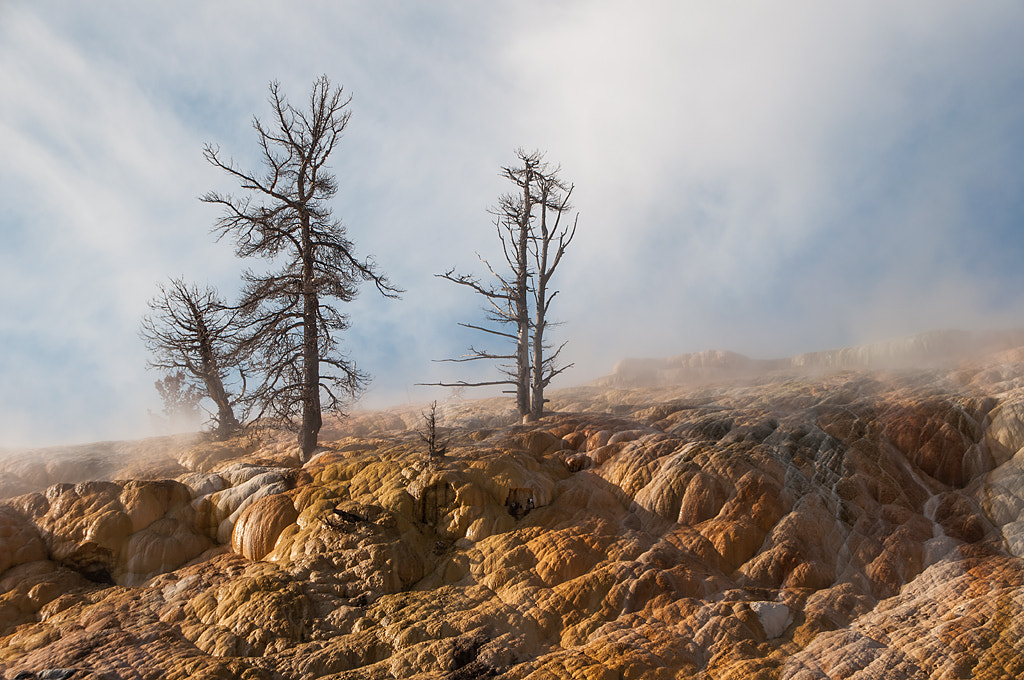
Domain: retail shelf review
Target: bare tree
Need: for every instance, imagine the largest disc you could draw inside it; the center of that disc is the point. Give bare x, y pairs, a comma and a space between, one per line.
193, 338
180, 396
516, 214
549, 245
436, 446
518, 299
285, 217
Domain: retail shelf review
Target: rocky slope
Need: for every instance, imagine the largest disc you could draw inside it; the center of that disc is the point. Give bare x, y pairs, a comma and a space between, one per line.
846, 524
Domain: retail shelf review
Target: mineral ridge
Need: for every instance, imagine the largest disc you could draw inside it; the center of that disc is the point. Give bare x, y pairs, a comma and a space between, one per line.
844, 523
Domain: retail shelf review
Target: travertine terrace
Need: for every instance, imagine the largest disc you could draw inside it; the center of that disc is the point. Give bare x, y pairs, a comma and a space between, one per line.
772, 523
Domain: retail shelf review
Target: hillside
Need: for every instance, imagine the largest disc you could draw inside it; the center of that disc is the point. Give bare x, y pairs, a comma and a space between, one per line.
697, 517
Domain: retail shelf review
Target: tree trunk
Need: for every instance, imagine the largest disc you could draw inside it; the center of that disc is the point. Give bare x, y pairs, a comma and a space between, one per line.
522, 301
537, 399
226, 421
311, 417
540, 295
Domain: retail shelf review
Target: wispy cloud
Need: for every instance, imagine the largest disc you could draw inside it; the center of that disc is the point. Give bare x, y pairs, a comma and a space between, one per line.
783, 176
779, 179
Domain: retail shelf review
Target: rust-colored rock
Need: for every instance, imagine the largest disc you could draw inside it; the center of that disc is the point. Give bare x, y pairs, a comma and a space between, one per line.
19, 540
830, 525
258, 527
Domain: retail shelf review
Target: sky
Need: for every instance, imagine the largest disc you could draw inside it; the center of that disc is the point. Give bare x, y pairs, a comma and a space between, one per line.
766, 178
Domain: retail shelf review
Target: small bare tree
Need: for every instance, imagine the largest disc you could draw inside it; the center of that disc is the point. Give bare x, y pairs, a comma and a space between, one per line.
518, 299
285, 217
193, 338
180, 397
436, 446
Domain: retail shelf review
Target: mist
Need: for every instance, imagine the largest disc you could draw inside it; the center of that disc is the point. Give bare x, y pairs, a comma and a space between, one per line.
773, 181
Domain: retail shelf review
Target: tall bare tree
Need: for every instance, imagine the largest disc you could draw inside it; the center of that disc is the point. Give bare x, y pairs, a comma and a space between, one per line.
549, 242
516, 212
193, 337
285, 217
518, 299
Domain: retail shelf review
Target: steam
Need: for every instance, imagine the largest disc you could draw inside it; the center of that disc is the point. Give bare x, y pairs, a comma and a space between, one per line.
30, 470
771, 182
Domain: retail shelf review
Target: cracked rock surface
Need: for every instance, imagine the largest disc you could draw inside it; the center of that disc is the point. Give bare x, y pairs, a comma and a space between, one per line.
844, 524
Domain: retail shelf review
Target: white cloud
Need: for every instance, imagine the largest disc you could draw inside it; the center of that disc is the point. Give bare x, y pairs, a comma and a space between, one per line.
724, 154
769, 178
99, 205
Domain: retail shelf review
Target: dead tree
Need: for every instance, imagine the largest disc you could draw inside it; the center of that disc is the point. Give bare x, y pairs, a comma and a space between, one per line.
549, 244
436, 446
516, 211
180, 396
285, 217
518, 298
194, 337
